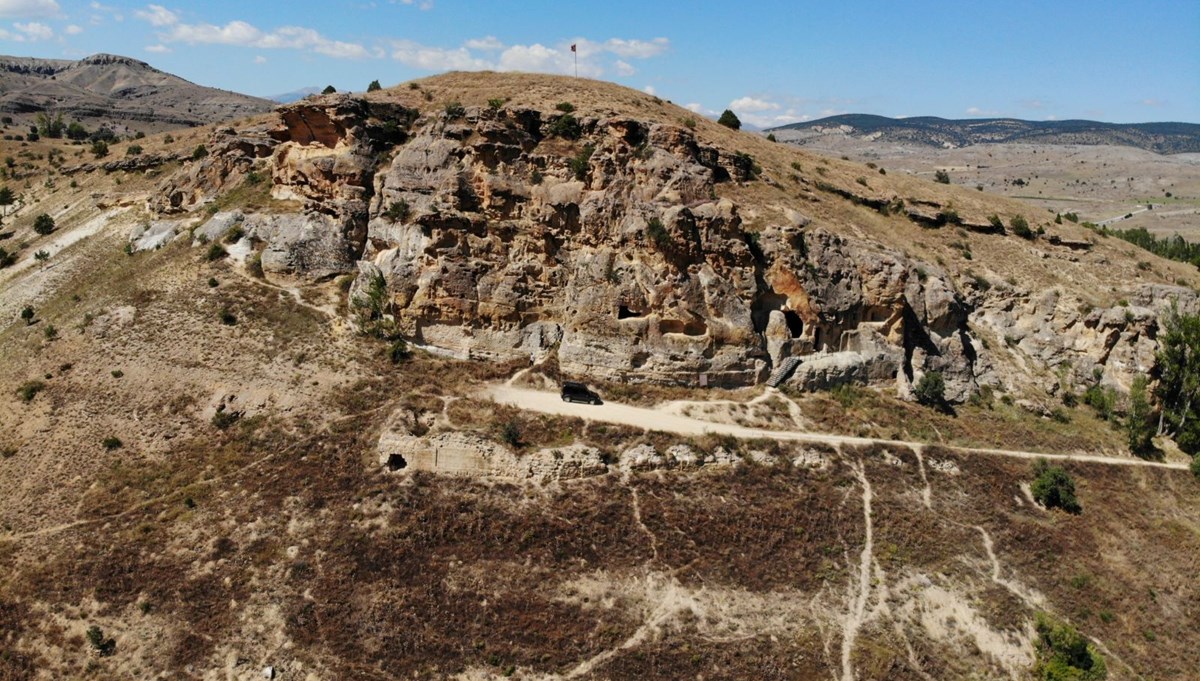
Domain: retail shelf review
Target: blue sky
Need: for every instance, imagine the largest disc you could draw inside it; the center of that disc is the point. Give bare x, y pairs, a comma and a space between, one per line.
771, 61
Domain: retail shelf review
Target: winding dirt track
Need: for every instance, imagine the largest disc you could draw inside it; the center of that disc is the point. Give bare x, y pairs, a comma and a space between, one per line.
655, 419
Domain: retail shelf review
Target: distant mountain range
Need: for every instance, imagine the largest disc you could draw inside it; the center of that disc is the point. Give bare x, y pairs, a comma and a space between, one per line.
1162, 138
110, 89
296, 95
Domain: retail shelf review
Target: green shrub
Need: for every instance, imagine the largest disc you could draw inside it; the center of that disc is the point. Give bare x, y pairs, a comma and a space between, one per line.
398, 211
215, 252
510, 433
112, 442
455, 110
372, 307
1020, 227
941, 177
1139, 421
102, 645
565, 107
580, 162
199, 152
1063, 654
29, 390
43, 224
134, 150
931, 389
50, 332
995, 221
847, 394
373, 86
495, 103
657, 233
1196, 466
1102, 399
566, 127
99, 148
730, 120
1053, 487
329, 90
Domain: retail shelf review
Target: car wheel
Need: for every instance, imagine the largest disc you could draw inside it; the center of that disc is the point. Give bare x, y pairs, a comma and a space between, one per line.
565, 398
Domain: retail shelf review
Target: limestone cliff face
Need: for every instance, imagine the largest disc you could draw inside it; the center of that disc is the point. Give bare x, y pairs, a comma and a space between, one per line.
504, 232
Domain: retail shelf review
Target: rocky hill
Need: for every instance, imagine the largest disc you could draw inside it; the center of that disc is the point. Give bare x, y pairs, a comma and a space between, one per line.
631, 246
1161, 138
248, 425
106, 89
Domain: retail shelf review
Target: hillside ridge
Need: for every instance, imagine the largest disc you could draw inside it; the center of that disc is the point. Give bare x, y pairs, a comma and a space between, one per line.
1159, 137
115, 91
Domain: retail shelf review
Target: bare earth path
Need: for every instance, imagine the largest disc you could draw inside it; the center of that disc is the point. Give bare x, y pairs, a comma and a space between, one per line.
655, 419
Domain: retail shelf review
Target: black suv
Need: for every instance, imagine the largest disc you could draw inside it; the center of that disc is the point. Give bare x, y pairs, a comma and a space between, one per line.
578, 392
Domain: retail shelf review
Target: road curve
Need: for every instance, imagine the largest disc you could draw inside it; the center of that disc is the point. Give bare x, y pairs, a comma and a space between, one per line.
654, 419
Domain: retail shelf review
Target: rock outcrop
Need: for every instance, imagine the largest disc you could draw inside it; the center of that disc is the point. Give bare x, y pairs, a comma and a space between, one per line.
514, 232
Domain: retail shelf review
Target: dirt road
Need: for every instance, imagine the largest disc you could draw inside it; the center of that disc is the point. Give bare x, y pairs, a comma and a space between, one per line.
656, 419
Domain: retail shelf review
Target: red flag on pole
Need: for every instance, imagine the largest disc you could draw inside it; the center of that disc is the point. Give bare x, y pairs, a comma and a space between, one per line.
572, 47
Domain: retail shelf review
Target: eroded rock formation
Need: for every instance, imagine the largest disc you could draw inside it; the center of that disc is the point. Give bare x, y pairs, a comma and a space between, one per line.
499, 235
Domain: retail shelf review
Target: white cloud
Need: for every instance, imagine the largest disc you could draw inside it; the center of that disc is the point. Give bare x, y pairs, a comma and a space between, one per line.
158, 49
697, 107
538, 57
73, 29
976, 111
420, 4
750, 105
1152, 102
260, 59
35, 31
649, 89
637, 49
156, 15
485, 44
100, 10
28, 8
772, 120
244, 34
420, 56
594, 58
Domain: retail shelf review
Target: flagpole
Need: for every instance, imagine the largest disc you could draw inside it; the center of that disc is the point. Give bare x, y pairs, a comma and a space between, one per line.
575, 52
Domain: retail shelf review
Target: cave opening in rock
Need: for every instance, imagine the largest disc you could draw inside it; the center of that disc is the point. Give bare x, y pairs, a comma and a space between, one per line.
624, 312
396, 462
794, 323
